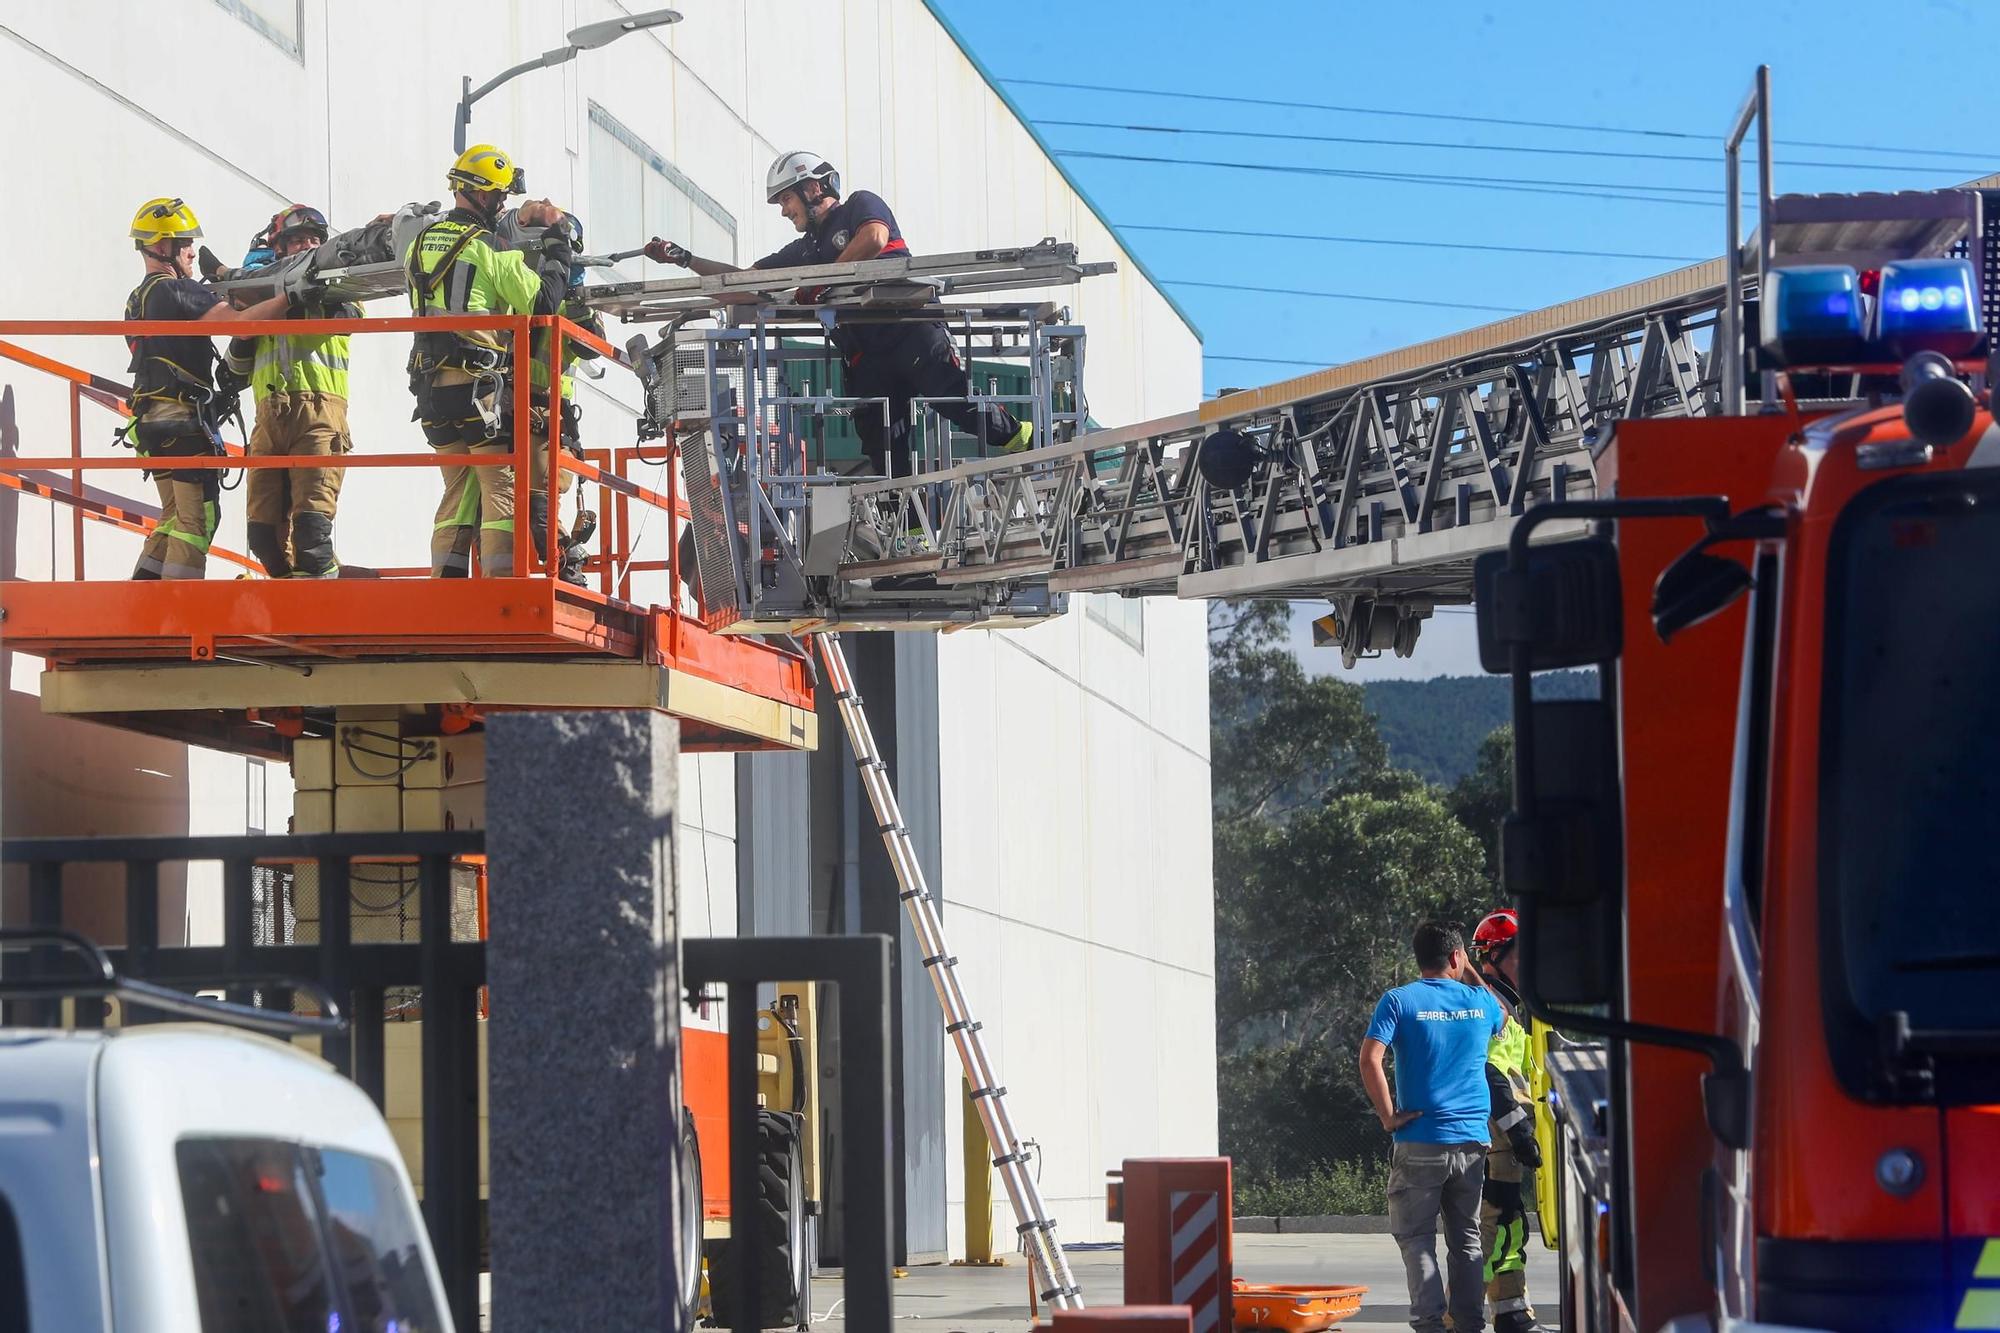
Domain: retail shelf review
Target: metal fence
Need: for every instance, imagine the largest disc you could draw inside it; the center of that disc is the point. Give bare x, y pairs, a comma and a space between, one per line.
405, 940
276, 923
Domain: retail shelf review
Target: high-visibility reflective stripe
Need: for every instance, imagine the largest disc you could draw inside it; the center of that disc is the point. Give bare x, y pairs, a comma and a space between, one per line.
300, 364
1988, 1267
1511, 1119
187, 536
1980, 1309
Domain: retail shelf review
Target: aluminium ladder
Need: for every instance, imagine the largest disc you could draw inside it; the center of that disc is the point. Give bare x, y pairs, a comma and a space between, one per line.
1032, 1221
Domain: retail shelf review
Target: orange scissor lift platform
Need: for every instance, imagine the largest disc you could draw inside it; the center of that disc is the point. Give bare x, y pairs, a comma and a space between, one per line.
242, 663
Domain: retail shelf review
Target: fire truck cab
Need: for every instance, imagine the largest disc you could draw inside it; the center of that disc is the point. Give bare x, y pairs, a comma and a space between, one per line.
1760, 867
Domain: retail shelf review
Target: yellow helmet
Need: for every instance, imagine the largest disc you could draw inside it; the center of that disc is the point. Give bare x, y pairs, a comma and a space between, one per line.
484, 167
163, 220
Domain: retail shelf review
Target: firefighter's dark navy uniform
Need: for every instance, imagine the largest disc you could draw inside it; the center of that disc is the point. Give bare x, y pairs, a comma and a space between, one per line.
894, 361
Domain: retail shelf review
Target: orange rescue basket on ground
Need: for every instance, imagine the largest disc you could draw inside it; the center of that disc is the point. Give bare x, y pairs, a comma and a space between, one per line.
1292, 1309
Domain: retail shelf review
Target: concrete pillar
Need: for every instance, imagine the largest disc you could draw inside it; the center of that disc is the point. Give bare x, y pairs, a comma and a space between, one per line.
583, 1043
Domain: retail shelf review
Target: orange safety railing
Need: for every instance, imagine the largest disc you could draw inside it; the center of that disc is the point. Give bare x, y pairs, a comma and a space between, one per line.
614, 564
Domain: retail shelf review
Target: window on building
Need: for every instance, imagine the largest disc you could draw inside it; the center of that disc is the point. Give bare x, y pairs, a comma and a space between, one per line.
1123, 616
281, 22
635, 193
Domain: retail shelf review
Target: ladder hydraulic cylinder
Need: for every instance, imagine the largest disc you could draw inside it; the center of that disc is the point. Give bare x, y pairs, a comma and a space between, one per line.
1031, 1216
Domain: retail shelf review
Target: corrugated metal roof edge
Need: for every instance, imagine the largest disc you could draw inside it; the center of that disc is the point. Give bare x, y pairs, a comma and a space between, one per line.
1074, 184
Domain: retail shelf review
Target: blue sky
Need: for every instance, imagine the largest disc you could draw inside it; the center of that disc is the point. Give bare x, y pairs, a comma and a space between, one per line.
1848, 80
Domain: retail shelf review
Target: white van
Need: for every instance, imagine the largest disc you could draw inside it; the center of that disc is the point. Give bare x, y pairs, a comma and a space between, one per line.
193, 1178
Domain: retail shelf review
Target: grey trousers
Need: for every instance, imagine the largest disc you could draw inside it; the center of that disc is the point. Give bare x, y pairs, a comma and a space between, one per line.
1426, 1181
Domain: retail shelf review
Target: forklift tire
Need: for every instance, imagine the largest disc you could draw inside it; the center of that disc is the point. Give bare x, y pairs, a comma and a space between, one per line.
777, 1221
687, 1284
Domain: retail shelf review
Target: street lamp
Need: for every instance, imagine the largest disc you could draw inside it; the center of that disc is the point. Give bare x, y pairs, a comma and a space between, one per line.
587, 38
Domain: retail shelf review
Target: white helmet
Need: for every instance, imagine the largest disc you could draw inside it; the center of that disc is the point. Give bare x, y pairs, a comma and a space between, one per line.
796, 167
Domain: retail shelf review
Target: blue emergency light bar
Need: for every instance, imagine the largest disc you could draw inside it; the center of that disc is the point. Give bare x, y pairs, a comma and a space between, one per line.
1814, 315
1826, 314
1928, 305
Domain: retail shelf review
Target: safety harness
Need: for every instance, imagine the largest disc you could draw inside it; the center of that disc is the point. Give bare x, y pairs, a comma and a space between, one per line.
446, 351
160, 377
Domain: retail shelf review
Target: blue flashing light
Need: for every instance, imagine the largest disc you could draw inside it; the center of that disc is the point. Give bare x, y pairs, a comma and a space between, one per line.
1814, 315
1928, 305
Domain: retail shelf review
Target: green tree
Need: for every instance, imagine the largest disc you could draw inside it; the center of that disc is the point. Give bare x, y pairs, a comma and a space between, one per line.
1279, 738
1482, 798
1325, 860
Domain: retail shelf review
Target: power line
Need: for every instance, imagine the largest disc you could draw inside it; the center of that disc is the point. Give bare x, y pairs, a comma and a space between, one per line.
1344, 296
1267, 360
1706, 159
1514, 185
1479, 120
1417, 245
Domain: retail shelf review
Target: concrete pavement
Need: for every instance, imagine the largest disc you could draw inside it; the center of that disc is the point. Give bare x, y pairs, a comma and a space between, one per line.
994, 1300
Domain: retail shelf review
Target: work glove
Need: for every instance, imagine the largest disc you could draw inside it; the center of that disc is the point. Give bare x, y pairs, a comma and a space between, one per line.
666, 252
809, 295
1521, 1142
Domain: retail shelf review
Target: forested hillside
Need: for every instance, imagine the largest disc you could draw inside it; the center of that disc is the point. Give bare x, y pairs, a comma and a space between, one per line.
1433, 728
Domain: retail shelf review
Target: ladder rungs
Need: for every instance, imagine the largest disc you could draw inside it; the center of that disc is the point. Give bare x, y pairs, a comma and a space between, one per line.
1051, 1267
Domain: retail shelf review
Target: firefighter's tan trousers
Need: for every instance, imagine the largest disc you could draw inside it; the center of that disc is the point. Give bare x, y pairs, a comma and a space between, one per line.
1503, 1234
189, 513
479, 501
289, 511
478, 504
190, 507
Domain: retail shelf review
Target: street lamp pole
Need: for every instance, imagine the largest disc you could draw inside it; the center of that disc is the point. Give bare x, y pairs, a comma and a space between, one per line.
587, 38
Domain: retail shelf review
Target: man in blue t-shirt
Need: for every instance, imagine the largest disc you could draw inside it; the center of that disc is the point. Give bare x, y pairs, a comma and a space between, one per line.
897, 360
1439, 1028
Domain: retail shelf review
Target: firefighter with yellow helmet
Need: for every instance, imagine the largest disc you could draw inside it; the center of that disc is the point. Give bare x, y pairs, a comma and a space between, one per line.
462, 380
174, 397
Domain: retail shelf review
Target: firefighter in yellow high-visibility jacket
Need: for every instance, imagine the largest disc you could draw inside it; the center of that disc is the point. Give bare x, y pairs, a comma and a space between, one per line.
462, 381
299, 382
1514, 1150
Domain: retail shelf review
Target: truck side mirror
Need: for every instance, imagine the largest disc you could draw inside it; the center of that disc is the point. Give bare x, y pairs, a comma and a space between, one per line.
1694, 587
1567, 607
1699, 584
1568, 858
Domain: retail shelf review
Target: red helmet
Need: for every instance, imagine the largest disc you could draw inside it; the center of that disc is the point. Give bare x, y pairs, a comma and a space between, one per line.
1497, 930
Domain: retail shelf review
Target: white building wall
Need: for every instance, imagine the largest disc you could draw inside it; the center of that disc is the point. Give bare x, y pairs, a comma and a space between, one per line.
1077, 882
1075, 799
